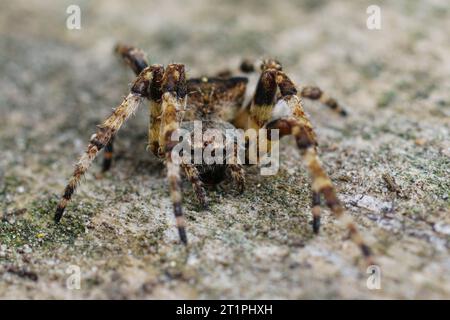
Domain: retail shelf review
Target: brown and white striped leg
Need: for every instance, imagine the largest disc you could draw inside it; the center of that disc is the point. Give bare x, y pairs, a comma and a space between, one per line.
315, 93
173, 99
236, 169
133, 57
104, 134
321, 183
238, 176
173, 176
194, 177
300, 127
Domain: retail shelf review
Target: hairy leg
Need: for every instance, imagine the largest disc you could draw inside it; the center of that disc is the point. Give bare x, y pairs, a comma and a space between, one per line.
194, 177
104, 133
236, 169
296, 123
300, 127
167, 93
133, 57
315, 93
172, 108
321, 183
173, 176
238, 176
315, 205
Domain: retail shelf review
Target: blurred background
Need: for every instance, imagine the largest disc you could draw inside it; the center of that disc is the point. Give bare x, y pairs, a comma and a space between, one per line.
57, 84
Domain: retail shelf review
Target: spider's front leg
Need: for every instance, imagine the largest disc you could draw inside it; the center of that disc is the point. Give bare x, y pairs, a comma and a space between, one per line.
298, 125
321, 183
308, 92
136, 60
105, 132
172, 109
289, 118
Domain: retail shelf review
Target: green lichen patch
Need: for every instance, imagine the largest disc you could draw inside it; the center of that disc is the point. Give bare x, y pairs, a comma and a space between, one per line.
36, 227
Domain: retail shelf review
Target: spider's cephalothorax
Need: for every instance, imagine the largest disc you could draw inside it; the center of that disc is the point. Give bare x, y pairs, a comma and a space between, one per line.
218, 102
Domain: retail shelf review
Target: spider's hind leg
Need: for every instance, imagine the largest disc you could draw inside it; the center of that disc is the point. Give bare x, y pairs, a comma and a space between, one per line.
315, 93
133, 57
246, 66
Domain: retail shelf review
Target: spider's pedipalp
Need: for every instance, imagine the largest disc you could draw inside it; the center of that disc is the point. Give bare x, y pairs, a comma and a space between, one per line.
155, 110
135, 58
104, 134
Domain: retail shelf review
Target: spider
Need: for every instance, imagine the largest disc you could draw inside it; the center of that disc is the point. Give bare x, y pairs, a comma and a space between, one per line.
217, 102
